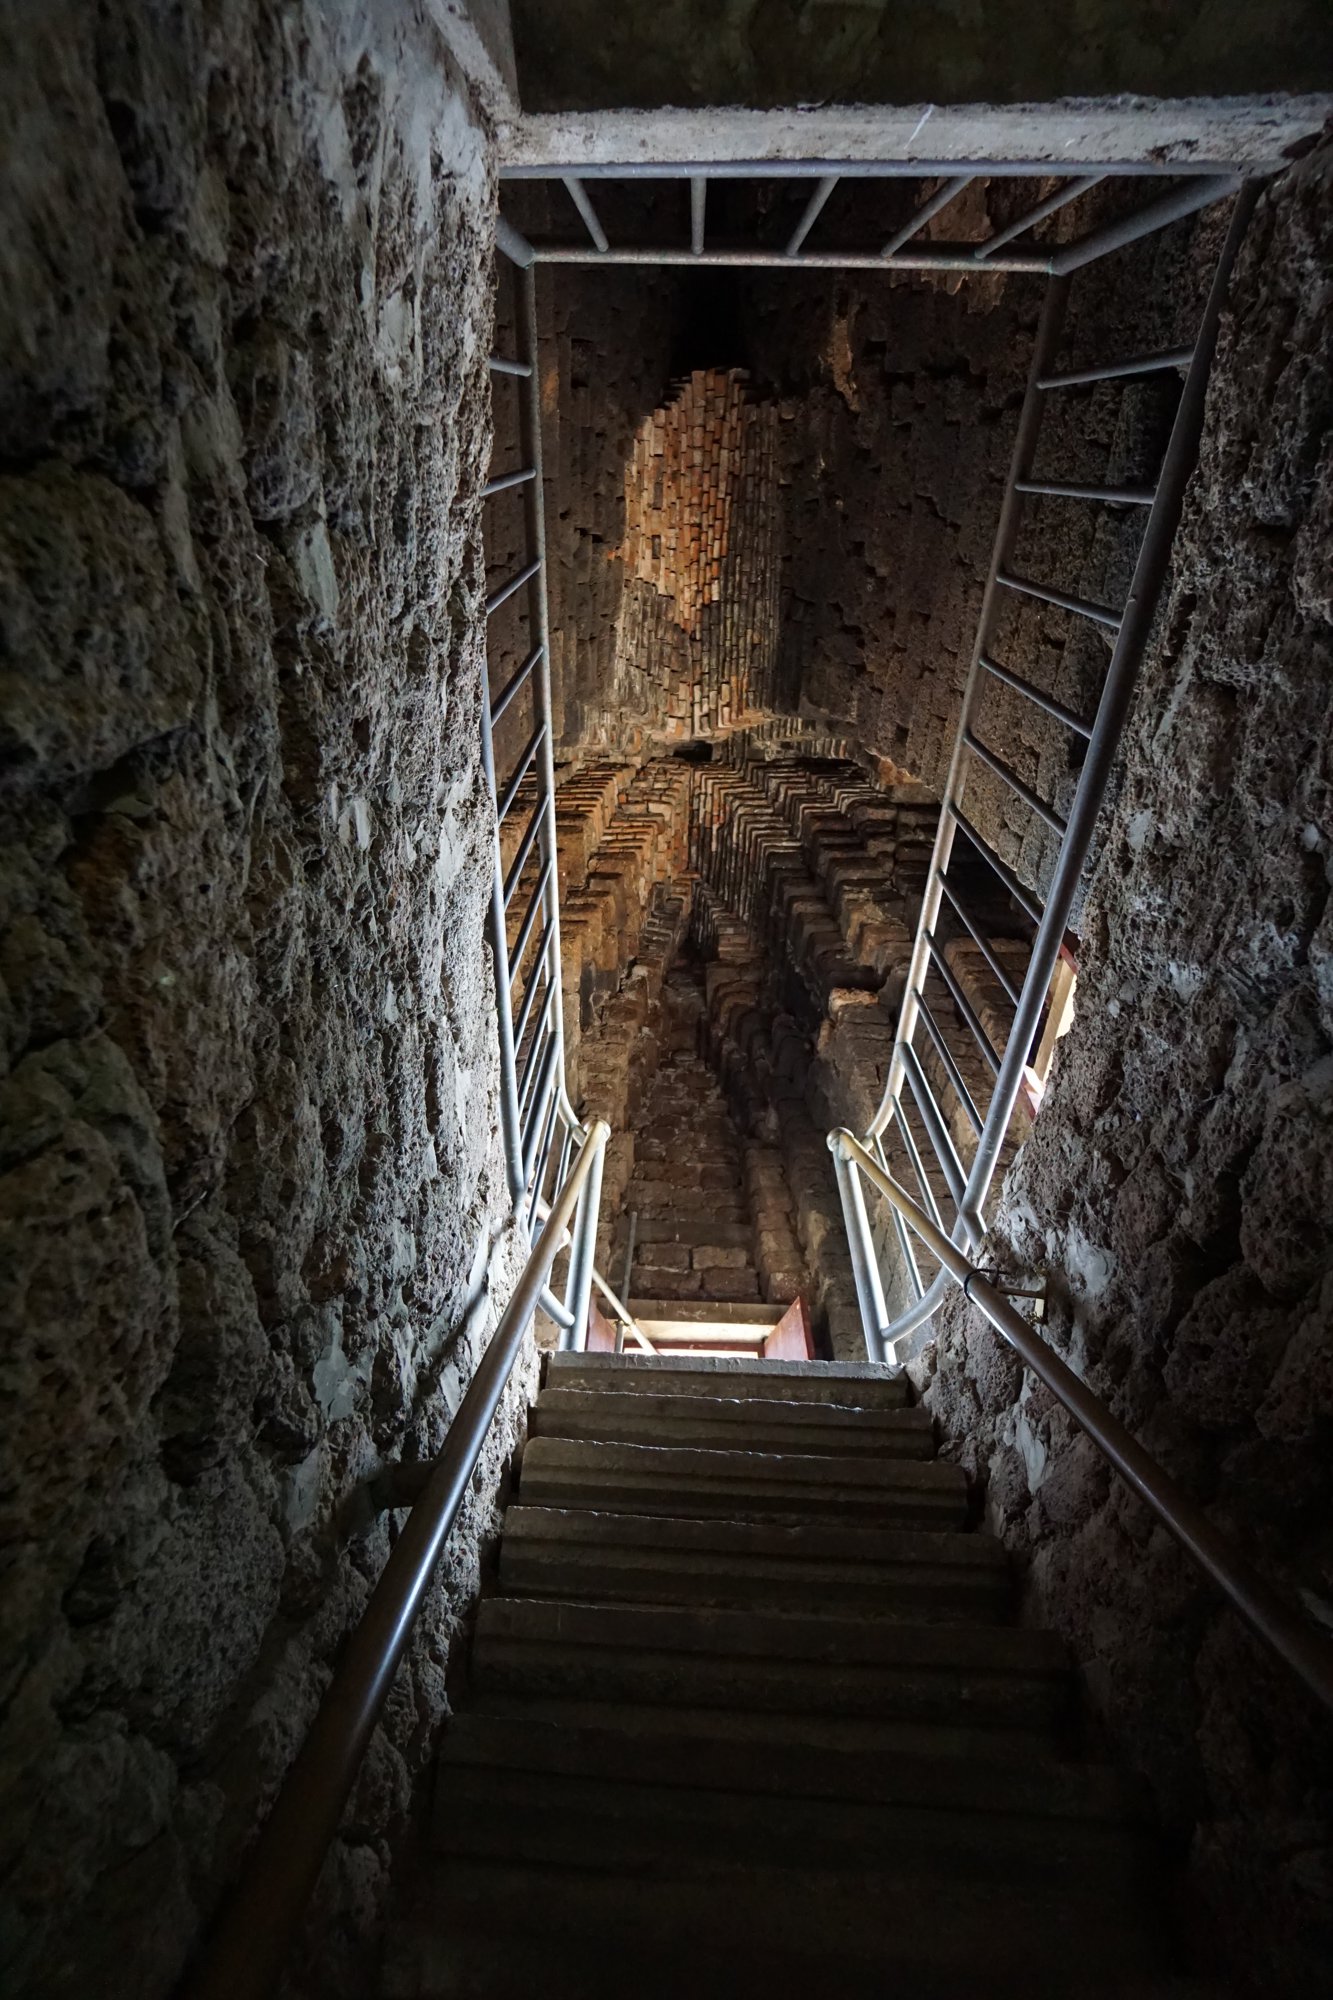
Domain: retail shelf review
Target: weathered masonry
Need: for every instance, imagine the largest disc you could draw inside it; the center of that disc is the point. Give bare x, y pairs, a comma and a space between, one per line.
665, 1150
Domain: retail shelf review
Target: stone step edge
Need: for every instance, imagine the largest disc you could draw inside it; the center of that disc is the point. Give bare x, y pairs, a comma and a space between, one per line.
826, 1371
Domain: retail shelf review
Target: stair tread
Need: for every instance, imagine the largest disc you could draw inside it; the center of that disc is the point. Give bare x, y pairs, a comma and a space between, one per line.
473, 1960
626, 1822
850, 1383
651, 1746
842, 1545
655, 1479
724, 1408
873, 1735
765, 1424
808, 1916
774, 1636
734, 1465
726, 1312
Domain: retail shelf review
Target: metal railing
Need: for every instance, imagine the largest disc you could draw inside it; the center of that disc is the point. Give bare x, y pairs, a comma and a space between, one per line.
542, 1132
1199, 184
244, 1956
910, 1109
1291, 1636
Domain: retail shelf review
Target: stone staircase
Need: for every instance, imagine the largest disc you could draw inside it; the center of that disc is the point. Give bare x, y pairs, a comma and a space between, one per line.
746, 1714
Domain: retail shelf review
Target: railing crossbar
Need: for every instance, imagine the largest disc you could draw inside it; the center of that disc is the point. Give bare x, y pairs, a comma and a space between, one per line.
513, 685
524, 849
1039, 211
927, 211
519, 773
979, 939
1064, 600
1003, 873
540, 1035
503, 481
936, 1130
513, 583
948, 1064
918, 1165
539, 970
1036, 696
963, 1004
543, 1096
529, 919
1010, 777
1115, 371
811, 213
1111, 496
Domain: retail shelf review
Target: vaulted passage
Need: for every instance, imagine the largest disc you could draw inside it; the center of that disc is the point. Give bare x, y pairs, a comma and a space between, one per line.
665, 1017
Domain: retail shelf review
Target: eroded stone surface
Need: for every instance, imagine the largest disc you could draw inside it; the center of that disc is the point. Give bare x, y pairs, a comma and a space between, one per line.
1178, 1177
246, 1122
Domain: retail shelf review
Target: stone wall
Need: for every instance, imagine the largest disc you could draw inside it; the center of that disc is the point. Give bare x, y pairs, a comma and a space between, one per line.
249, 1173
1179, 1181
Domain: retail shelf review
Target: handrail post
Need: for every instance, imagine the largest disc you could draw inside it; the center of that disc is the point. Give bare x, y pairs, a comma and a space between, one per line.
865, 1265
582, 1256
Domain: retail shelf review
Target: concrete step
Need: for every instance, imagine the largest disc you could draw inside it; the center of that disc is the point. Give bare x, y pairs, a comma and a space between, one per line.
740, 1659
726, 1312
498, 1813
774, 1757
715, 1422
918, 1576
473, 1965
751, 1926
849, 1384
1006, 1748
742, 1485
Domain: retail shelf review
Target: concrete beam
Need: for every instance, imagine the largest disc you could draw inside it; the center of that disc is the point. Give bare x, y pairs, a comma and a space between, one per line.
478, 35
1178, 135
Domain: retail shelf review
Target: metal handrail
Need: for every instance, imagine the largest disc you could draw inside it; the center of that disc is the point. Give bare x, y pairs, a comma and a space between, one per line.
1133, 628
245, 1955
1305, 1649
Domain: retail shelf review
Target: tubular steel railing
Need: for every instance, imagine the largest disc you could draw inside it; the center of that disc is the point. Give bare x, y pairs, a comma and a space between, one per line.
1200, 183
541, 1131
245, 1955
1291, 1636
908, 1090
